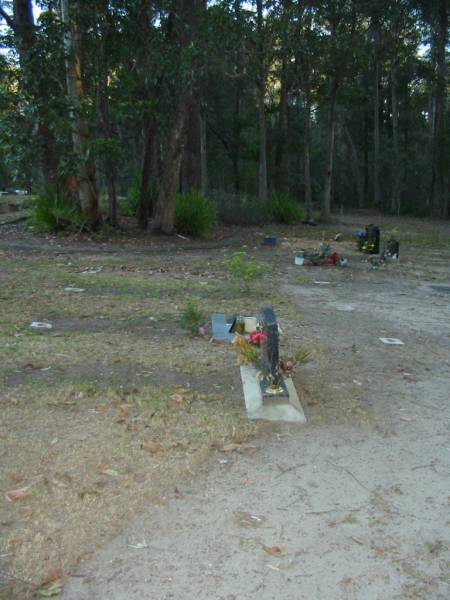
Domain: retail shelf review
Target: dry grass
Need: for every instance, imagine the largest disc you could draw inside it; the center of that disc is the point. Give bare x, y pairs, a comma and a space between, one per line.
109, 410
112, 408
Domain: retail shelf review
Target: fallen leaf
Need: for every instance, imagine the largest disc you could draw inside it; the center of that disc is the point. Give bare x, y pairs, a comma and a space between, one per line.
85, 493
50, 576
272, 549
18, 494
100, 409
150, 446
121, 413
16, 477
111, 472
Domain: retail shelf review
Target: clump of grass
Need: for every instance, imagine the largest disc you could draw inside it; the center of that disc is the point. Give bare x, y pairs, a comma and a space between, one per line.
244, 270
283, 209
195, 215
191, 319
55, 211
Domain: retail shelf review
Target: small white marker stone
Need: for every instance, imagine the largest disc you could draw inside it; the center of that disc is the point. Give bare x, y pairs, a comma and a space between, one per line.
391, 341
39, 325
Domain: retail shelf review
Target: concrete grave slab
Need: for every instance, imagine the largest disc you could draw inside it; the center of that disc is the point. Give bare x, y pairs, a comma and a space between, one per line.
275, 409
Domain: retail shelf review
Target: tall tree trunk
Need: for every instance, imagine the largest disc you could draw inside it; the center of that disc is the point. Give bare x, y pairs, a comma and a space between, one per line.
235, 145
396, 170
262, 171
366, 170
326, 201
354, 164
87, 189
376, 111
165, 206
109, 164
192, 179
203, 152
438, 191
149, 174
280, 174
24, 29
307, 157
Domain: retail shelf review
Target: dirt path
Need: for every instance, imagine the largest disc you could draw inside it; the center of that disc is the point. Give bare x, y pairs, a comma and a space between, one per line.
357, 501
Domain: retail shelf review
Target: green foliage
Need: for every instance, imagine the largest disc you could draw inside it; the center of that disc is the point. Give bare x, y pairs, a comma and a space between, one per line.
244, 270
191, 319
55, 211
283, 209
130, 205
195, 215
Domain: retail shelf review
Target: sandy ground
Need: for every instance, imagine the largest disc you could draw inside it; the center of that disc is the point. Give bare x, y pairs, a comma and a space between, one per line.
354, 505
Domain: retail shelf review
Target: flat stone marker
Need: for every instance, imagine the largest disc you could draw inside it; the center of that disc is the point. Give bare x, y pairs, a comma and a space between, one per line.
278, 409
220, 328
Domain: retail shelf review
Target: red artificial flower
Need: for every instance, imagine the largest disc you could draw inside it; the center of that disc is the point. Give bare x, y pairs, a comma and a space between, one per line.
257, 338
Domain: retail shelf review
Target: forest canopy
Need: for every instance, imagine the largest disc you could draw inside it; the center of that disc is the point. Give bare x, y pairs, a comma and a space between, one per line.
328, 104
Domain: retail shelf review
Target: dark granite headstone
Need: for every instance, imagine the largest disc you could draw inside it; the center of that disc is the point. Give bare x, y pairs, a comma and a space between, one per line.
373, 238
272, 383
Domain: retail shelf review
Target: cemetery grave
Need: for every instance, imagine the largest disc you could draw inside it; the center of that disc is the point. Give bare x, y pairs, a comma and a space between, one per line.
122, 407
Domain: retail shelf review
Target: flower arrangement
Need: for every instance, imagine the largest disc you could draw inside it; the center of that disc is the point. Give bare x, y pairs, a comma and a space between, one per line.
250, 349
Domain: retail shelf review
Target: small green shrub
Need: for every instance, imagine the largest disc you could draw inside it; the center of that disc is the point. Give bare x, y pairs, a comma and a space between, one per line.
282, 209
130, 205
244, 270
191, 319
195, 215
55, 211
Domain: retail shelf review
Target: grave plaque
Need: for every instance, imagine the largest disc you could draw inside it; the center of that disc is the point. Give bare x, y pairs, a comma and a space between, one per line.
272, 383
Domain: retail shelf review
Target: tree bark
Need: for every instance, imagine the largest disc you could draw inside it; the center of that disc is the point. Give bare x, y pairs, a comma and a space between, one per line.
149, 172
376, 111
262, 171
192, 179
109, 164
307, 157
203, 152
23, 26
235, 145
280, 171
396, 171
354, 164
165, 206
87, 189
438, 188
326, 202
